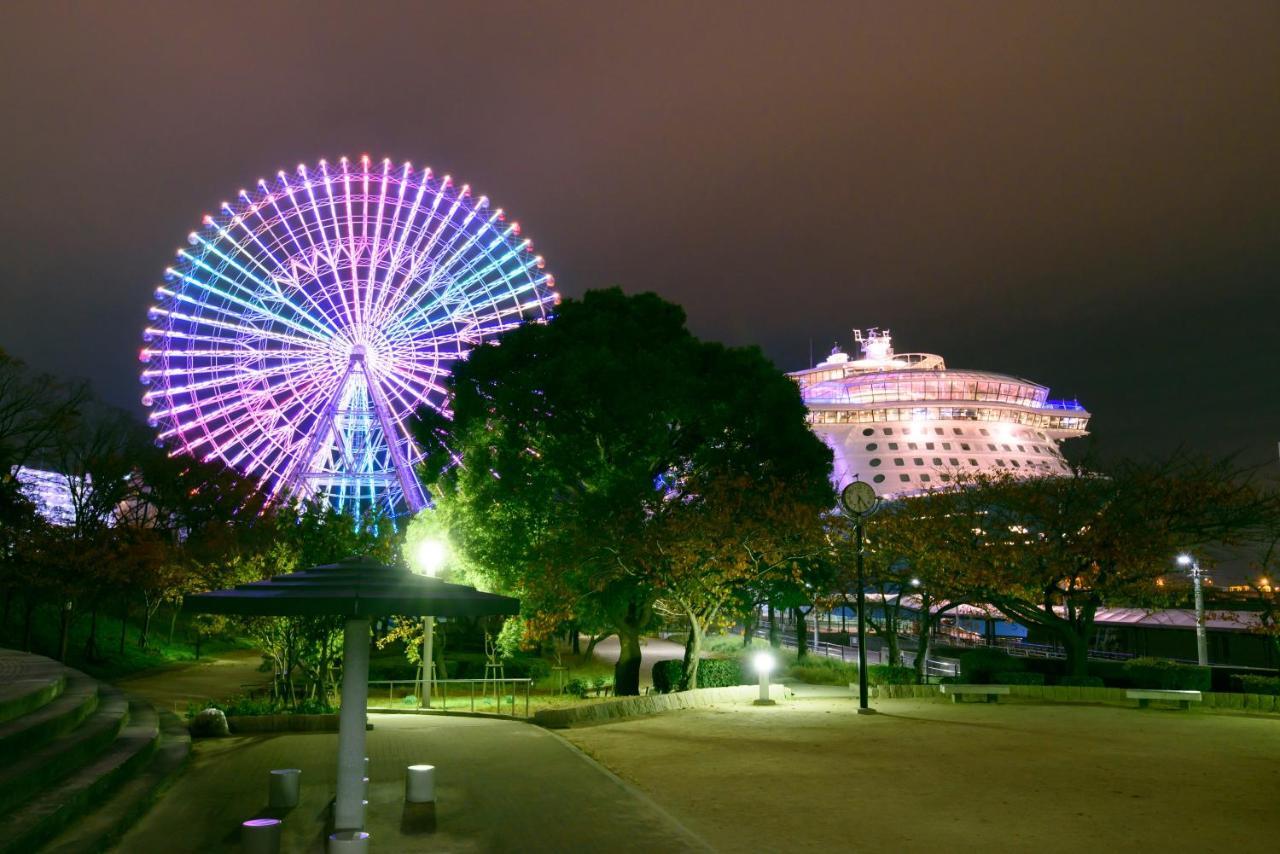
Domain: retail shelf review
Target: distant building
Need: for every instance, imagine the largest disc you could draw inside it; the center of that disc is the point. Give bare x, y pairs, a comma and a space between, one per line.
905, 423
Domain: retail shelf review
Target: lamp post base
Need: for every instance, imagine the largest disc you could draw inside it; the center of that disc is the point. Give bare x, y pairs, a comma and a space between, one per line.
868, 711
764, 702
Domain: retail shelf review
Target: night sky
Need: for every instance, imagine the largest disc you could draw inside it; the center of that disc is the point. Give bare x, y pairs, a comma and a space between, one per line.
1087, 195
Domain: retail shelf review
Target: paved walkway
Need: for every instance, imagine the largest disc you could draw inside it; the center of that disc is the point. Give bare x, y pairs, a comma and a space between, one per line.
219, 677
501, 786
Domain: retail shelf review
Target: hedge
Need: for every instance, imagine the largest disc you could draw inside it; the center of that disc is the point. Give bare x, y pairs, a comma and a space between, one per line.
1167, 675
712, 673
1082, 681
1018, 677
1253, 684
889, 674
980, 666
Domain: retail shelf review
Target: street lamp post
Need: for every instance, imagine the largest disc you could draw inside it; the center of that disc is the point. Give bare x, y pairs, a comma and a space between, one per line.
1197, 582
429, 557
764, 663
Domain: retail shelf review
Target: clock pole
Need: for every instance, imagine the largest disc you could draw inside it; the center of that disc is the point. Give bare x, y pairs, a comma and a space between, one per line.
862, 628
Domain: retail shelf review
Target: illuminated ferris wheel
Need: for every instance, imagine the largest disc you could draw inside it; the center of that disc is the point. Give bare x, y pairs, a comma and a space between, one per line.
306, 323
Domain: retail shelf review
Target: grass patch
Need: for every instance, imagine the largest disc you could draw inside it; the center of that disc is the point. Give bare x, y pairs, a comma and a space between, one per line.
112, 663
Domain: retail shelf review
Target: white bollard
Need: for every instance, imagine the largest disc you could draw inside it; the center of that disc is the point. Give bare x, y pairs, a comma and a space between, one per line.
282, 793
366, 766
348, 842
260, 836
365, 781
420, 784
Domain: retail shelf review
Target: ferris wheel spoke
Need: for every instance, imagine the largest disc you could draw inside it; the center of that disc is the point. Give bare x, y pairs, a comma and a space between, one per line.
308, 321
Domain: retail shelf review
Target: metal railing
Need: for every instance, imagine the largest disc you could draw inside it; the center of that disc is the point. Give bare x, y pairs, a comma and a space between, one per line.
933, 666
493, 694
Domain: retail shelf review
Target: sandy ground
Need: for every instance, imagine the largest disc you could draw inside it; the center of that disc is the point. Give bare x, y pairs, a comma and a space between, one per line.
810, 775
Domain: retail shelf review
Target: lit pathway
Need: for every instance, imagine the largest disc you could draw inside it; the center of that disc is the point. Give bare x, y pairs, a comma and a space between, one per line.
651, 650
501, 786
218, 677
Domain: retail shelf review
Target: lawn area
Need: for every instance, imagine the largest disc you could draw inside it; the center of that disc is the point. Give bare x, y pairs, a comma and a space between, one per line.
810, 775
113, 662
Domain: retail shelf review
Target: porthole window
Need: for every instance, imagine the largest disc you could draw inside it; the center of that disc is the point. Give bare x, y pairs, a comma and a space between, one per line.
888, 431
946, 446
924, 478
957, 431
955, 461
1016, 464
868, 431
928, 446
875, 461
972, 461
905, 478
983, 431
938, 430
945, 478
1000, 463
878, 478
912, 446
893, 446
964, 446
871, 446
897, 461
918, 461
937, 461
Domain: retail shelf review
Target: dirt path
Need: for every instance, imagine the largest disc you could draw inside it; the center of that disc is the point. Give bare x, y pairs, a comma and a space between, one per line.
809, 775
219, 677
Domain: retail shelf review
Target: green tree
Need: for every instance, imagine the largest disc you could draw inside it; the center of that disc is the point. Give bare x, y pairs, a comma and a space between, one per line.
580, 437
1049, 552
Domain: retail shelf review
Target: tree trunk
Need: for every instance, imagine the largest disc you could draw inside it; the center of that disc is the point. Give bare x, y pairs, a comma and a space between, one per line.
91, 643
626, 673
64, 630
692, 654
591, 644
575, 638
802, 637
1076, 646
29, 607
774, 640
922, 647
173, 620
124, 622
147, 611
749, 628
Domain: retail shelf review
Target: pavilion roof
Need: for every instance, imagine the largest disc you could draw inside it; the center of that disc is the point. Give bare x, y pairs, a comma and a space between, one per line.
354, 587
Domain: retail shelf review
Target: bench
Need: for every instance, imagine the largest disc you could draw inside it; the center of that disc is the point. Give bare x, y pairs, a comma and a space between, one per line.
1144, 696
991, 692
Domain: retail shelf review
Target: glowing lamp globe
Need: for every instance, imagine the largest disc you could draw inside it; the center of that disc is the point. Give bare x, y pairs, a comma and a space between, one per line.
430, 556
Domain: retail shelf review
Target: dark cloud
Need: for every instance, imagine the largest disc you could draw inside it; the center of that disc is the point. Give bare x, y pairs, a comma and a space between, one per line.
1084, 194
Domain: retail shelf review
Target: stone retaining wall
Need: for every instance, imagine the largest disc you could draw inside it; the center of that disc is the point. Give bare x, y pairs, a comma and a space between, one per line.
283, 723
651, 704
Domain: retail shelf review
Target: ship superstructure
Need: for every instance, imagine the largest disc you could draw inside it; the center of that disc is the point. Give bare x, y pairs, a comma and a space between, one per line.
906, 423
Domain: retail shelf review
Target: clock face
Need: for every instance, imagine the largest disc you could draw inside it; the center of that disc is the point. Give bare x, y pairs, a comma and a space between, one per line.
858, 497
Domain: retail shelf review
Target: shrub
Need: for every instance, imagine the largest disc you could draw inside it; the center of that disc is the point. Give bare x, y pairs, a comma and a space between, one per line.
1018, 677
889, 674
667, 675
712, 673
979, 666
578, 687
1082, 681
1168, 675
1112, 673
823, 671
1253, 684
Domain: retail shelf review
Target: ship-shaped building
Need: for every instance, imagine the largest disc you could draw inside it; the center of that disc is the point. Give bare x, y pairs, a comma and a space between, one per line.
906, 423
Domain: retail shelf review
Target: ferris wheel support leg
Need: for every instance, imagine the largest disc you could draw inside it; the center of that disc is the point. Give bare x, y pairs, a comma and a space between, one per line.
348, 812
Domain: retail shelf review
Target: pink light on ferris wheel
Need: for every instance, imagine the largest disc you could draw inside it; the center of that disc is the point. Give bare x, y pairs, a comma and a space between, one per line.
310, 318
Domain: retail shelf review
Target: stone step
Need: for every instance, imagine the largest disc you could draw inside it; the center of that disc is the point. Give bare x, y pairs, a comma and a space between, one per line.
27, 682
42, 766
76, 702
48, 813
97, 830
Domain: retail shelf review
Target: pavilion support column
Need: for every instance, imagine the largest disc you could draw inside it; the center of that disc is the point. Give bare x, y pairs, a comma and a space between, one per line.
348, 813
